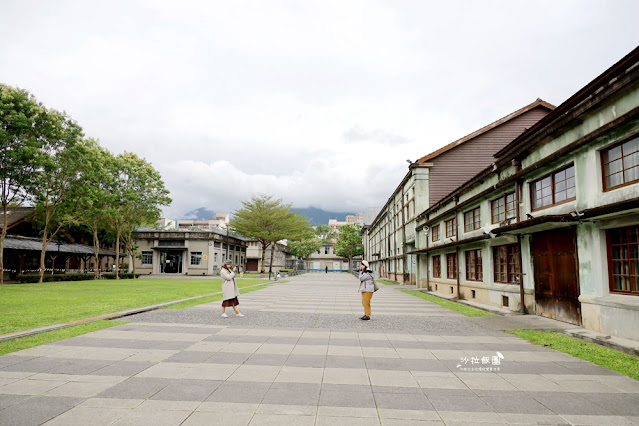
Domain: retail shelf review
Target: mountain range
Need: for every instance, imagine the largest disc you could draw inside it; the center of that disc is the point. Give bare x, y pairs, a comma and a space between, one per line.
315, 216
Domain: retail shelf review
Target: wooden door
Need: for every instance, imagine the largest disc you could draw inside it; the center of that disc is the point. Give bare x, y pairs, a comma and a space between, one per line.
556, 275
251, 265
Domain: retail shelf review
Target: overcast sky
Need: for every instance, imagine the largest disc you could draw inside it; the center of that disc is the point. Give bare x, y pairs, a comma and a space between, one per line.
317, 102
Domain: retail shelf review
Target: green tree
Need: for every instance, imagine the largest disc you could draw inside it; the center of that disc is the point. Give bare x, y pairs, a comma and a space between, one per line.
325, 233
139, 193
306, 245
268, 220
349, 244
24, 125
95, 194
55, 182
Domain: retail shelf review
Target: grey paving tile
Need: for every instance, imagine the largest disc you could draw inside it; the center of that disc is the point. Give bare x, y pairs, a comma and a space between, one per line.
317, 361
346, 388
243, 392
396, 389
433, 365
9, 400
6, 361
36, 365
36, 410
293, 394
228, 358
403, 401
447, 393
343, 342
172, 346
359, 399
312, 341
123, 368
624, 404
91, 342
194, 357
459, 403
282, 340
375, 343
335, 361
79, 366
266, 359
519, 367
221, 338
568, 403
407, 345
251, 339
515, 402
135, 388
385, 364
187, 390
582, 367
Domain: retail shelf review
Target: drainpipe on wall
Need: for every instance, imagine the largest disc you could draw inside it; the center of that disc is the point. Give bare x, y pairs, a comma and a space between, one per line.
404, 255
457, 250
427, 272
517, 165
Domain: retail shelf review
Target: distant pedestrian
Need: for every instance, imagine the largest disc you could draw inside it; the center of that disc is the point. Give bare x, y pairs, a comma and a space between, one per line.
326, 269
278, 276
367, 288
229, 289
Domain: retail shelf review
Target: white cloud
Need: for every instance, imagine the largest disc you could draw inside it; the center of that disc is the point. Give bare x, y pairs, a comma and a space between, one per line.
317, 102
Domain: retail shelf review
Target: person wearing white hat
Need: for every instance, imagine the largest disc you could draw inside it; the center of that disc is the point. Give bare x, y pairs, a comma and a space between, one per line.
367, 288
229, 289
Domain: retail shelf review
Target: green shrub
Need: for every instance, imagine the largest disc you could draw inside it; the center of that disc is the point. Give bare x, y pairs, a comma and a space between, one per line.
123, 276
34, 278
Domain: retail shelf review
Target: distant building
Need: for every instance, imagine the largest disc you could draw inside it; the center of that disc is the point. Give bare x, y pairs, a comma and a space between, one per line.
221, 220
357, 218
254, 256
188, 252
69, 253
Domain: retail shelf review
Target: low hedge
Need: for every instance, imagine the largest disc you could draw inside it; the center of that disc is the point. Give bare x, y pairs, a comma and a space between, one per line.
47, 278
123, 276
34, 278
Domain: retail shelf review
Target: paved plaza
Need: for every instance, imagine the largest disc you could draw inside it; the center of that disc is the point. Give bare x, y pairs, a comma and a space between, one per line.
301, 356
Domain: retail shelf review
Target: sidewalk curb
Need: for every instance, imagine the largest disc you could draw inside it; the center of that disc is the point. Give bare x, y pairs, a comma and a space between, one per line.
115, 315
626, 346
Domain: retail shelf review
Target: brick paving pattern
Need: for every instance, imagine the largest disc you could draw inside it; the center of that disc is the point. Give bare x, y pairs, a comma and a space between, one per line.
301, 356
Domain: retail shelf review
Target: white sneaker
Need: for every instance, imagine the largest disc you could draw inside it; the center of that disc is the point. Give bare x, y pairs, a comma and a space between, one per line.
239, 315
224, 315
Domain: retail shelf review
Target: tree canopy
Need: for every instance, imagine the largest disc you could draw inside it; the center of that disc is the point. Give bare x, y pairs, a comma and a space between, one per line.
46, 161
349, 244
268, 220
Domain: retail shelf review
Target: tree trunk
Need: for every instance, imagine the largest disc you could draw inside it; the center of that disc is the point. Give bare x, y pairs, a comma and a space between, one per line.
53, 256
264, 247
117, 254
96, 251
3, 234
42, 257
270, 266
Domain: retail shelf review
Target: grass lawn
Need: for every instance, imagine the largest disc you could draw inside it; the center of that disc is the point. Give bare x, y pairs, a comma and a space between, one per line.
14, 345
387, 282
190, 303
453, 306
608, 358
27, 306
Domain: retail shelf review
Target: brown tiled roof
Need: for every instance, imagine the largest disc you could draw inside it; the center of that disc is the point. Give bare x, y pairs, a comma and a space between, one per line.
15, 215
538, 102
14, 242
